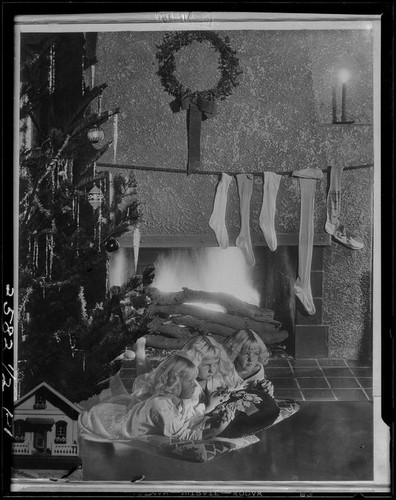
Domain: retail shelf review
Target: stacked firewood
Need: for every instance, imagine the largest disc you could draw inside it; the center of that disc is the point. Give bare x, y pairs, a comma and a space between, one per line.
173, 318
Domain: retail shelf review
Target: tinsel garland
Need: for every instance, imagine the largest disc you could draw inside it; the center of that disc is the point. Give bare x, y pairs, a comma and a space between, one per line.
228, 63
83, 304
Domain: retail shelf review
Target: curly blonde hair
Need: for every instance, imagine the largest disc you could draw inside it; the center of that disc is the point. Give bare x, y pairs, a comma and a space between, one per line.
165, 379
204, 346
246, 339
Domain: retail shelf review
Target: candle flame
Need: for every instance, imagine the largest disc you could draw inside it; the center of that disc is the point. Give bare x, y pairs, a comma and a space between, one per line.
344, 75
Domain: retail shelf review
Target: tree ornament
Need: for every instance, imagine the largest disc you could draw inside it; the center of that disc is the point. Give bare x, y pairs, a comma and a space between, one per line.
136, 246
95, 197
111, 245
46, 255
95, 134
200, 105
115, 137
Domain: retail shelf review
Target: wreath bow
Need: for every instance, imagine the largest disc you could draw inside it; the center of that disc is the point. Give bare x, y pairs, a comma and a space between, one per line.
205, 106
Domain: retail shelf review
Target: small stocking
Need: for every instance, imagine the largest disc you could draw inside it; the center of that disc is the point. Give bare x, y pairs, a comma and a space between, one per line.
302, 285
217, 219
333, 225
267, 215
244, 242
334, 200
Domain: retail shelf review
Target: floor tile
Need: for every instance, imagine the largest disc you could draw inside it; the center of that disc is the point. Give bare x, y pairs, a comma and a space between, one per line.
358, 364
278, 372
318, 394
350, 395
362, 372
312, 383
284, 382
278, 363
308, 372
369, 393
303, 362
288, 394
343, 383
337, 372
331, 362
365, 382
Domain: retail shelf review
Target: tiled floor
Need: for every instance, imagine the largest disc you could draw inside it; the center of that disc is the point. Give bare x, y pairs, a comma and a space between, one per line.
321, 379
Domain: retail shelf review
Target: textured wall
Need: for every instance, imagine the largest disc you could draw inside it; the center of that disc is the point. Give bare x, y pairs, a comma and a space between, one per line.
347, 284
278, 119
267, 124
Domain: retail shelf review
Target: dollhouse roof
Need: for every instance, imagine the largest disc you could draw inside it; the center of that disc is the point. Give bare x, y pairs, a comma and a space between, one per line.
53, 396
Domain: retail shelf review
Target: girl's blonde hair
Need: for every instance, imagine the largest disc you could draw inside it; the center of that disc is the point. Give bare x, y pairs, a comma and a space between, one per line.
165, 379
204, 346
246, 339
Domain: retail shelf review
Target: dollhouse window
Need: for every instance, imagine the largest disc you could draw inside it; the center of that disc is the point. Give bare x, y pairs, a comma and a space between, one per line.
60, 431
19, 432
40, 402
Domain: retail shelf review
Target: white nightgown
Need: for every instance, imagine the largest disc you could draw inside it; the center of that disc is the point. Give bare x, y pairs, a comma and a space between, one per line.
158, 415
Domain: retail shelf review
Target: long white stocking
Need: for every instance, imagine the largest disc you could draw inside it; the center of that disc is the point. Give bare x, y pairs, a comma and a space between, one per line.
267, 214
243, 241
302, 285
217, 219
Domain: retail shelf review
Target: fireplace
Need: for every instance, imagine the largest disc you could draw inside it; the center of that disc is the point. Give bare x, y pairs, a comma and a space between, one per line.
268, 285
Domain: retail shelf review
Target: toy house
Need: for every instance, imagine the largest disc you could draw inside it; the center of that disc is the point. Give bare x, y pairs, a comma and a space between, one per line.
45, 427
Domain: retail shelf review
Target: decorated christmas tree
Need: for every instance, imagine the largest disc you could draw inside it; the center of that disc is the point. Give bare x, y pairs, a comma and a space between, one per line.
69, 324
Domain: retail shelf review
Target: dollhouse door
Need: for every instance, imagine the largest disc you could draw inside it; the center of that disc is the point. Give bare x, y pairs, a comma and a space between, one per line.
40, 440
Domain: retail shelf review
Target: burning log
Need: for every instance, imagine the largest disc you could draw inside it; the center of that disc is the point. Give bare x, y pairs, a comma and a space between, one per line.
233, 305
216, 329
202, 326
232, 321
169, 329
160, 342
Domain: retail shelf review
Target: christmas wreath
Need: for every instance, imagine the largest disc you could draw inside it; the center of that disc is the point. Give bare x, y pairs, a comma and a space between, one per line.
199, 104
228, 64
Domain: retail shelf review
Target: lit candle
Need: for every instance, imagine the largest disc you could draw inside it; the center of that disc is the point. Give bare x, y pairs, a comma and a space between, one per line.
343, 102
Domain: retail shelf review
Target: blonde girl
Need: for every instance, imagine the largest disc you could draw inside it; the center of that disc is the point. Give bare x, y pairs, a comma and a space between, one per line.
216, 372
156, 408
249, 354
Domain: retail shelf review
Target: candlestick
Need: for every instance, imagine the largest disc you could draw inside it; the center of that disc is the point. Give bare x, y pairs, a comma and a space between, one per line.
334, 104
343, 102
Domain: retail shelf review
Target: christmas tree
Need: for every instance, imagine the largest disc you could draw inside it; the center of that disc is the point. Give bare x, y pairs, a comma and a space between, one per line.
69, 322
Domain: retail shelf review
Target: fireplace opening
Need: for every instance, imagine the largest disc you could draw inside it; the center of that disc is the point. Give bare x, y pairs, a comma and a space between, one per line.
268, 285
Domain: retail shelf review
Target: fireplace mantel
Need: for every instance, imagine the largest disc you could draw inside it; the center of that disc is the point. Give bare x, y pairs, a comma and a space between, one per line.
208, 240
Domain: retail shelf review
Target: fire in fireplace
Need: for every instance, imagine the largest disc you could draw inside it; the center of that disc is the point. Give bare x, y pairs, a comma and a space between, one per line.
233, 294
207, 270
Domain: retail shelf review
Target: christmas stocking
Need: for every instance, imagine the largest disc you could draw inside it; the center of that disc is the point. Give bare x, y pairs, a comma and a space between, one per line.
302, 285
217, 219
333, 226
244, 242
334, 200
267, 215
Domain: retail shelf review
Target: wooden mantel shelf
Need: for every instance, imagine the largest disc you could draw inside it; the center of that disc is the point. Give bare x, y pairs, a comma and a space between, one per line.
209, 240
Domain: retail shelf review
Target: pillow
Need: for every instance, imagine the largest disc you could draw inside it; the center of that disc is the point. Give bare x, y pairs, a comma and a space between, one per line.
255, 410
193, 451
207, 450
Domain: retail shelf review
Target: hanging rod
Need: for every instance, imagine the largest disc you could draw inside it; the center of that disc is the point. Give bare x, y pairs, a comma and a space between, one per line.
205, 172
